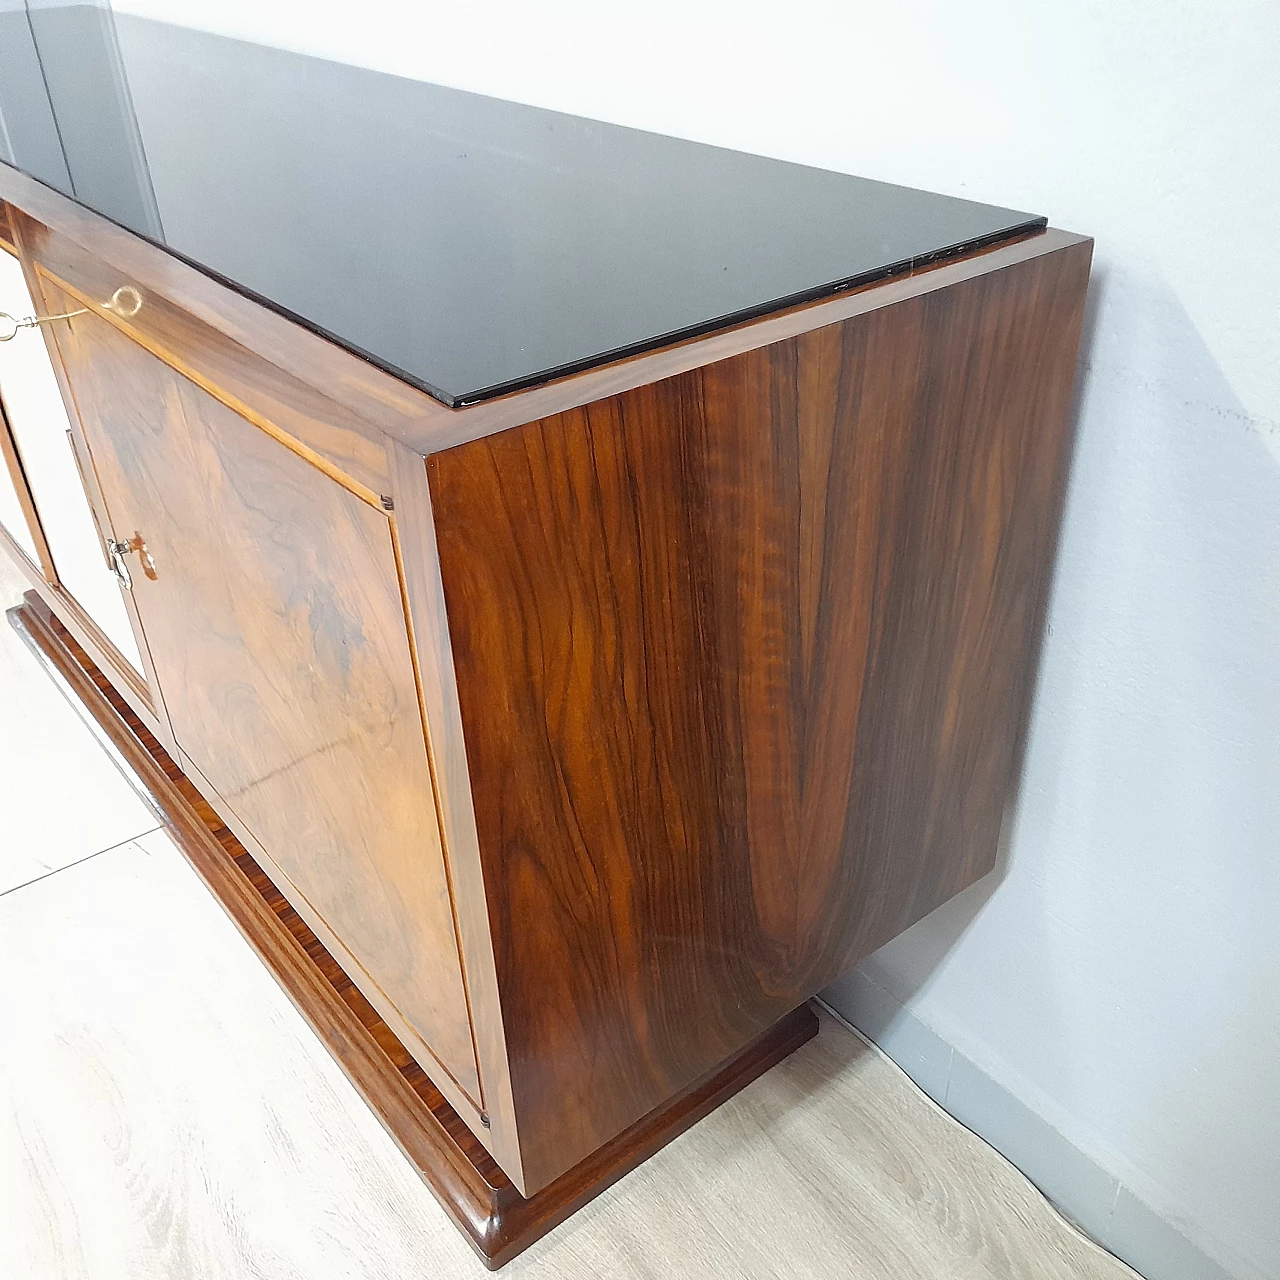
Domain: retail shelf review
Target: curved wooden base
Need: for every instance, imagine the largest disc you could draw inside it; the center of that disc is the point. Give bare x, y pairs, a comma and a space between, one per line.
462, 1175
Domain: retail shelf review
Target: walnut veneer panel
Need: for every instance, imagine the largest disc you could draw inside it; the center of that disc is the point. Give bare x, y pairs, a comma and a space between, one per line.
275, 621
744, 660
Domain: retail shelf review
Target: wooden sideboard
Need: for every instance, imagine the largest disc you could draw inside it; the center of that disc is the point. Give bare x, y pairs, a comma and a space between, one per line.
552, 750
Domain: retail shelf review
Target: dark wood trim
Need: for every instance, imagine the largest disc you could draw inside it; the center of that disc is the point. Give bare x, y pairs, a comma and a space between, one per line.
462, 1175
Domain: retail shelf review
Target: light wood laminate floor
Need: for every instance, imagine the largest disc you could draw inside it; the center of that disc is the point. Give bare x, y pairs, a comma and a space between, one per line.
165, 1114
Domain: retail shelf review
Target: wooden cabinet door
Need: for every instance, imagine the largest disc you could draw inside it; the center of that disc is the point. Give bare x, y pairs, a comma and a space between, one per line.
270, 599
41, 434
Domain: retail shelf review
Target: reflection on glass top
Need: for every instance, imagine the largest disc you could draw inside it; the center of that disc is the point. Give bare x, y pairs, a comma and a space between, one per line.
470, 245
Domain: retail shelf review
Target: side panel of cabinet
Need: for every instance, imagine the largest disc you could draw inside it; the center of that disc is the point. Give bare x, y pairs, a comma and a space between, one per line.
271, 602
41, 433
744, 658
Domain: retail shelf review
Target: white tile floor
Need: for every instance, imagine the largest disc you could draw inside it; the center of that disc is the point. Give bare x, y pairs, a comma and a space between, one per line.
165, 1114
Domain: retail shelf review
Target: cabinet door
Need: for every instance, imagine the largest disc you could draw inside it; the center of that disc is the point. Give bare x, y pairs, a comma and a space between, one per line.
41, 434
270, 600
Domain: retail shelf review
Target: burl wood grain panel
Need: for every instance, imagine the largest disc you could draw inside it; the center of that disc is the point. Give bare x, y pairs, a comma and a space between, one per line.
276, 626
744, 660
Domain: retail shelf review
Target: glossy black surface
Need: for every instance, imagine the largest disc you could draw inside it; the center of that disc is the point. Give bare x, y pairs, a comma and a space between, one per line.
470, 245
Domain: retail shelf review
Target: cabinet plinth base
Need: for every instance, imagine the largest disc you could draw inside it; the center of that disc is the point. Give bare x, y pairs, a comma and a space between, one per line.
463, 1176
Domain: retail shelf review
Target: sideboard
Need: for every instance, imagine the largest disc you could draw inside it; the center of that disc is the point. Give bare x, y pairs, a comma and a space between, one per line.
557, 697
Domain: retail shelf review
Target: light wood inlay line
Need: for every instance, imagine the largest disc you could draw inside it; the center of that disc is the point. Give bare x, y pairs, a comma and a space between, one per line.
435, 797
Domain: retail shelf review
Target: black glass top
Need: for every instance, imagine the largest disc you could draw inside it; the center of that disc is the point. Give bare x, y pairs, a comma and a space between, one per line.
470, 245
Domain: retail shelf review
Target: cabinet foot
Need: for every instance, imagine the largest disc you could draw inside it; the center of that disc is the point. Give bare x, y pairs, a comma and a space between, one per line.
463, 1176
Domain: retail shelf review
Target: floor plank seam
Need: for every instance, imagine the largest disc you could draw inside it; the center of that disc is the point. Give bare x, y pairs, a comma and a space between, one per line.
79, 862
